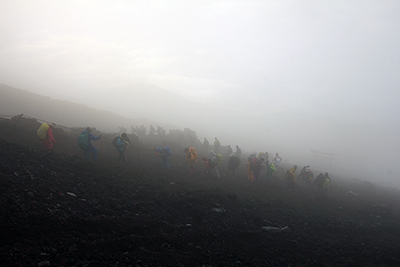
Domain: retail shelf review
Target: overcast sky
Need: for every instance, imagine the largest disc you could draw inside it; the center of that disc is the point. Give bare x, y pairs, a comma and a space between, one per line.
340, 59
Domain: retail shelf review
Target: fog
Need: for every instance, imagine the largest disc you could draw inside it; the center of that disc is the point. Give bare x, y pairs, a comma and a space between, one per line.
276, 76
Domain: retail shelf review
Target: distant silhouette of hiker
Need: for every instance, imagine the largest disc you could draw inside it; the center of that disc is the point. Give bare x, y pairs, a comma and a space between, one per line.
214, 164
255, 166
206, 162
142, 130
165, 153
306, 176
152, 130
276, 160
122, 129
233, 163
45, 133
323, 182
319, 182
326, 185
266, 156
191, 158
217, 145
250, 172
263, 165
162, 132
270, 170
121, 143
229, 151
206, 144
291, 178
89, 148
260, 155
238, 151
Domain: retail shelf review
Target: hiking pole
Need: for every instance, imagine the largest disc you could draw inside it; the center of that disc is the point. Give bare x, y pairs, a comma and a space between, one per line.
19, 117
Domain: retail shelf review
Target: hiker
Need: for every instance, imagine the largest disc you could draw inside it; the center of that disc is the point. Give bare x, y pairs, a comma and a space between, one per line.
142, 131
238, 151
206, 162
158, 130
220, 160
276, 160
230, 150
217, 145
233, 163
250, 172
261, 155
165, 153
121, 129
162, 132
121, 143
319, 182
152, 130
206, 144
45, 133
326, 185
266, 156
191, 158
291, 178
84, 142
263, 167
306, 175
214, 164
256, 167
270, 169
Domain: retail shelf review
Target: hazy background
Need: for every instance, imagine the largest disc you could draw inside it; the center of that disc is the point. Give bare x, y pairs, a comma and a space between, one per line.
280, 76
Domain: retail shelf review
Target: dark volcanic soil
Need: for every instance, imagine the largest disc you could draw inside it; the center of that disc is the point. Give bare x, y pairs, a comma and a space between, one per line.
56, 210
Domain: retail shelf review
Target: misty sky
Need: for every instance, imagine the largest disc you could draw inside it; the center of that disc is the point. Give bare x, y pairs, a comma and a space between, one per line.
339, 59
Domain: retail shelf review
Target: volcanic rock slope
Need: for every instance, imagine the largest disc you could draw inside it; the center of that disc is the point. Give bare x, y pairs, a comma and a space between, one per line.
56, 210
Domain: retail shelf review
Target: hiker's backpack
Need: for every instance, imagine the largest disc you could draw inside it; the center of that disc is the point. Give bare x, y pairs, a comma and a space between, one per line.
319, 180
237, 161
219, 159
115, 141
211, 164
290, 176
83, 140
193, 151
272, 167
42, 131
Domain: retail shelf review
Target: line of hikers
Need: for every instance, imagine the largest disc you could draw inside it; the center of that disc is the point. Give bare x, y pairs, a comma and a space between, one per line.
121, 142
322, 181
258, 166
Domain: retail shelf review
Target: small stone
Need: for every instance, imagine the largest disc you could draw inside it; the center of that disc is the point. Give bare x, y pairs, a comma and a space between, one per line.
43, 263
221, 210
271, 229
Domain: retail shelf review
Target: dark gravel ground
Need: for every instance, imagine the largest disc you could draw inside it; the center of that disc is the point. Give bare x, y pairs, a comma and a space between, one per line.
56, 210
